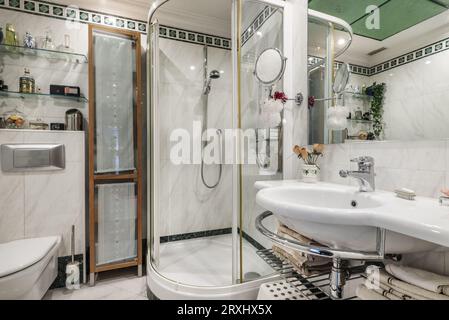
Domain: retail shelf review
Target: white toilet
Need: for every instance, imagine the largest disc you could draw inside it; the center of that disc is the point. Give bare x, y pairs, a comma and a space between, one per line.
28, 267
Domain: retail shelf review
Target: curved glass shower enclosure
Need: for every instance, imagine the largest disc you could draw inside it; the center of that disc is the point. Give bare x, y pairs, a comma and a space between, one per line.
202, 89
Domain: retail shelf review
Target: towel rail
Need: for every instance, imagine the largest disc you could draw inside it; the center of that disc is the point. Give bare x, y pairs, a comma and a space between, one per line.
324, 251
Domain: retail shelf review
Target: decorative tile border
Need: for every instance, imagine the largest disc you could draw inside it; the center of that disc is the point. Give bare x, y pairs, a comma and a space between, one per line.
73, 13
209, 233
194, 37
76, 14
355, 69
195, 235
412, 56
257, 23
418, 54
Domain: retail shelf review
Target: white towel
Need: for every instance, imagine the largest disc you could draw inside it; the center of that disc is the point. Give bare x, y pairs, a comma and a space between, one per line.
420, 278
404, 288
366, 294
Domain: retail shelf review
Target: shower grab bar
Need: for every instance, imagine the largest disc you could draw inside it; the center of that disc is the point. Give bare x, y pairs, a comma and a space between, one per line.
324, 251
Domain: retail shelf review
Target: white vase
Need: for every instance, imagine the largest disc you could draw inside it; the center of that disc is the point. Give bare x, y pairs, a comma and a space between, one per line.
310, 173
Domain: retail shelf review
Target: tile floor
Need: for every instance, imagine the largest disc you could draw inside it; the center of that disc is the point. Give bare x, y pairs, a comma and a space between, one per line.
114, 286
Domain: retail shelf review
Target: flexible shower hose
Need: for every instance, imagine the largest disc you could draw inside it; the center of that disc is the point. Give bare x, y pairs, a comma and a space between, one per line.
219, 134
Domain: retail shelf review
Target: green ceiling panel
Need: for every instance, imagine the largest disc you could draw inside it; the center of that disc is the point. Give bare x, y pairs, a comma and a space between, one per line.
398, 15
348, 10
395, 15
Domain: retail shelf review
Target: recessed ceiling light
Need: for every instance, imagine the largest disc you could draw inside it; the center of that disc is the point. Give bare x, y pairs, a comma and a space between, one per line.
428, 62
221, 71
341, 42
259, 33
192, 68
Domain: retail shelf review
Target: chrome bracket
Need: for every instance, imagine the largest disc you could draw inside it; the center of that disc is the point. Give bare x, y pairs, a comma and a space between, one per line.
324, 251
338, 274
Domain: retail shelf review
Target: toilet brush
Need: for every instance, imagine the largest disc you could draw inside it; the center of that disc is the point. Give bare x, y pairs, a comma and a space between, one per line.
73, 268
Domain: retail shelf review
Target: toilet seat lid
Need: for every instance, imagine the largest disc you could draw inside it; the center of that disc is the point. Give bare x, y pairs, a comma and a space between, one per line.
18, 255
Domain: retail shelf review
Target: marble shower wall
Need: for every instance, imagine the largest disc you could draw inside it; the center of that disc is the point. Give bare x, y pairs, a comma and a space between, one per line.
45, 71
186, 205
35, 204
422, 166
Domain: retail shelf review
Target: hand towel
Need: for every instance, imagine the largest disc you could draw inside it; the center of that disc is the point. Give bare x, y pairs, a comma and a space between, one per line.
397, 294
386, 293
290, 234
303, 263
404, 288
366, 294
420, 278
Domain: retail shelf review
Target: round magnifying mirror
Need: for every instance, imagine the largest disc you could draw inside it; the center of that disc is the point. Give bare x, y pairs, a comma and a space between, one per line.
270, 66
341, 78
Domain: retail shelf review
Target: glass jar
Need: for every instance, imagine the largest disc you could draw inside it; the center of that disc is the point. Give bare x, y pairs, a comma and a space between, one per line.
15, 119
27, 83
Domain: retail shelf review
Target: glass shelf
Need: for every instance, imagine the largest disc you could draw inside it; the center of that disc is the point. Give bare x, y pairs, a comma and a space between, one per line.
360, 121
39, 96
358, 95
44, 53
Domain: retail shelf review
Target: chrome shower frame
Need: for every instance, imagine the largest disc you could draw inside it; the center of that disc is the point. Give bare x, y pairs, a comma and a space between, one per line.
154, 278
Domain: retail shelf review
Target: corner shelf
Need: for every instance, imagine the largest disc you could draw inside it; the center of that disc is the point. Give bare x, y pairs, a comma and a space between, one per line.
40, 96
360, 121
44, 53
358, 95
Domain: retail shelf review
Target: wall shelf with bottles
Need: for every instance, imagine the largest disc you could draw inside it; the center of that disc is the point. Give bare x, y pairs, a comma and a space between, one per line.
41, 96
43, 53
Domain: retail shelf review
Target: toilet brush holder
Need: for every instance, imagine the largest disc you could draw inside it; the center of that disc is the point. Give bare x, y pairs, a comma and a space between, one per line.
72, 269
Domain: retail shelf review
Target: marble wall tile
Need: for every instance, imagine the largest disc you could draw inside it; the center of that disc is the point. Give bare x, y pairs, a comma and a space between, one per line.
39, 204
53, 203
12, 216
416, 99
185, 204
73, 142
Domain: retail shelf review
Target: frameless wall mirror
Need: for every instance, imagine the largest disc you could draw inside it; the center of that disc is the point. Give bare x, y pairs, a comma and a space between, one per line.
398, 88
270, 66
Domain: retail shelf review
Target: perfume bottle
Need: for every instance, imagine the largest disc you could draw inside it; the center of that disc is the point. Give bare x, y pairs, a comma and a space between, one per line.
48, 41
28, 41
11, 36
27, 83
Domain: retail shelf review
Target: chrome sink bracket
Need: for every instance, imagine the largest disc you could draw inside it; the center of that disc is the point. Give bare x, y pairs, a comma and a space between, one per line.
339, 273
324, 251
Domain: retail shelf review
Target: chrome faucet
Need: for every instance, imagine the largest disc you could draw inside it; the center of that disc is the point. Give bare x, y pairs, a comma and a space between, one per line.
365, 174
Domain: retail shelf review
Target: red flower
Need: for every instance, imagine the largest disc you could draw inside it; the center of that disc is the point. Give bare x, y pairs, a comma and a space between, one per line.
311, 102
280, 96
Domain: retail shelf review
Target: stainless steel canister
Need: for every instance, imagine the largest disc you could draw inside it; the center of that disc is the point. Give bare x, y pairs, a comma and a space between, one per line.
74, 120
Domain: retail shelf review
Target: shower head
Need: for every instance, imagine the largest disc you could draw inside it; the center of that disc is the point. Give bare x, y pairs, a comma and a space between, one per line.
215, 74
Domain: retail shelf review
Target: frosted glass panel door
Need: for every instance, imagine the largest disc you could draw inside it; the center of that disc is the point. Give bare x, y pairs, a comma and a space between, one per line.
114, 102
117, 214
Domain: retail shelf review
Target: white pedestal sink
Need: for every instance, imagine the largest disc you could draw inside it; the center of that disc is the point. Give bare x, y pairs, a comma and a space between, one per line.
341, 217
